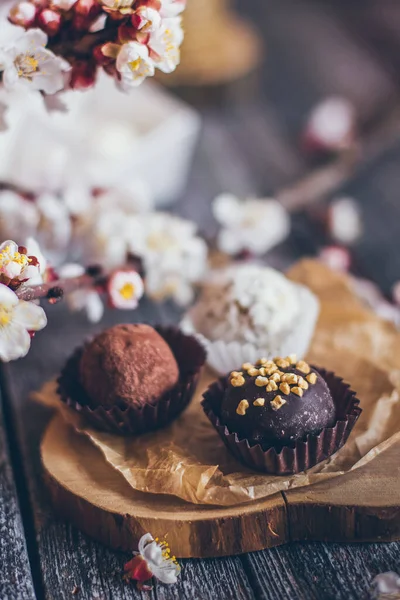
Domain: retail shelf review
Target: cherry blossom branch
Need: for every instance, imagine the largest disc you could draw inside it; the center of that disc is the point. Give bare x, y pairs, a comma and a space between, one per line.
55, 290
325, 180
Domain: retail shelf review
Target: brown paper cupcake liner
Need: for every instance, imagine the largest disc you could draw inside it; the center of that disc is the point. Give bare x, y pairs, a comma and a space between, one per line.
142, 417
304, 453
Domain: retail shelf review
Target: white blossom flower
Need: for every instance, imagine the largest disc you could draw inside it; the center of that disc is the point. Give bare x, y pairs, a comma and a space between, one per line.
165, 44
33, 249
153, 560
130, 198
345, 223
17, 319
63, 4
108, 244
125, 288
55, 224
107, 225
134, 64
28, 64
99, 23
174, 257
19, 218
23, 14
78, 200
148, 19
252, 225
14, 264
387, 585
45, 218
117, 4
87, 300
172, 8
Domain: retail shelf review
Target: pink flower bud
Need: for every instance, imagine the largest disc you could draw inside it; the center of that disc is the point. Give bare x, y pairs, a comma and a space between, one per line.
331, 126
50, 21
23, 14
336, 258
146, 19
83, 75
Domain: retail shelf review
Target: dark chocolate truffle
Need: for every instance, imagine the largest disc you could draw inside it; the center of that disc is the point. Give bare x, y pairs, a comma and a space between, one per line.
275, 403
127, 363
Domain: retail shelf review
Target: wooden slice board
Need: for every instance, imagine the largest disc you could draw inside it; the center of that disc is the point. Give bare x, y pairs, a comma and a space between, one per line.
360, 506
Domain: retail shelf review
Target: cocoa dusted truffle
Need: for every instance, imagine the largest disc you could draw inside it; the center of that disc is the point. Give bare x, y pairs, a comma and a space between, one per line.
127, 364
276, 402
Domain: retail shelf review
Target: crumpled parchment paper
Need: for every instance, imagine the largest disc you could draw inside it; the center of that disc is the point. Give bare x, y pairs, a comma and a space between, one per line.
189, 460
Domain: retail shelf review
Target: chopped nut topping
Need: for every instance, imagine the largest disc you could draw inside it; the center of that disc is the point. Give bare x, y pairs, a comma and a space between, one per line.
261, 361
303, 367
292, 359
285, 388
236, 373
298, 391
302, 383
312, 378
259, 402
247, 366
237, 381
281, 373
282, 363
290, 378
242, 407
262, 371
271, 369
275, 377
277, 402
271, 387
261, 381
253, 372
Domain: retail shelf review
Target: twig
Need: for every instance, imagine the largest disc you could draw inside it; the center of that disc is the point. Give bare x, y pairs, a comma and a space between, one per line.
319, 183
55, 290
326, 180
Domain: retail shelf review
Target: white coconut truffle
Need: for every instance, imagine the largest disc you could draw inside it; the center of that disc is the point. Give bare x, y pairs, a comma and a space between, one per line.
245, 309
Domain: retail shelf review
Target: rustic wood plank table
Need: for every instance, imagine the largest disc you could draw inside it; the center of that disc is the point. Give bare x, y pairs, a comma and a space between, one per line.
247, 145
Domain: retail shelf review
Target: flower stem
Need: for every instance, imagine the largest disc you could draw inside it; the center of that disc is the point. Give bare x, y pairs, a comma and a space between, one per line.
55, 290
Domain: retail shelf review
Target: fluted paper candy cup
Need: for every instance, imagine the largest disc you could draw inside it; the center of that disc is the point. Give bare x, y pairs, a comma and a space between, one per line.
141, 417
226, 356
304, 453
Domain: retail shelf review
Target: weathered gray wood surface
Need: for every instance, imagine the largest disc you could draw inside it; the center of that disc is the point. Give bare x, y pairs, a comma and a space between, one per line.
313, 49
15, 574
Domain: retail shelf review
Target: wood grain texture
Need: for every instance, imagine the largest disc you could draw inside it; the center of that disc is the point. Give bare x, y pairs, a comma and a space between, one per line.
363, 505
15, 574
93, 496
319, 571
68, 558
